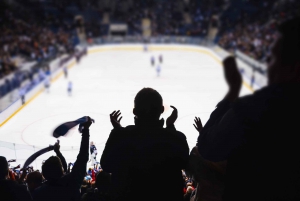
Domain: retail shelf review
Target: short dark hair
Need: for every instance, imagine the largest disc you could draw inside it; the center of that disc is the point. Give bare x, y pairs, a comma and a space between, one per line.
290, 49
148, 103
3, 167
52, 168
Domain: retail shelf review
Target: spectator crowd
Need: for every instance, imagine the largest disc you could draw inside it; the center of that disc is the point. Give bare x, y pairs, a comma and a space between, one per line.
24, 40
253, 34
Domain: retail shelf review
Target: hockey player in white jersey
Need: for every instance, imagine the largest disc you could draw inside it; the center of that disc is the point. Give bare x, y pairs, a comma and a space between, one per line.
93, 152
158, 69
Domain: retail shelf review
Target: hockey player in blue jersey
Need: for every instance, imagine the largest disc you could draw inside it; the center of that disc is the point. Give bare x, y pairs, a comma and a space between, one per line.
70, 86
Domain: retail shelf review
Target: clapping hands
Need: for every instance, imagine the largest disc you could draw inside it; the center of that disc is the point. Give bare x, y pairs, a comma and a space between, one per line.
172, 118
233, 78
114, 119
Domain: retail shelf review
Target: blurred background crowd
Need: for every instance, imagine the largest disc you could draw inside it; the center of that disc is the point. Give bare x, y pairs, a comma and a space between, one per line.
33, 30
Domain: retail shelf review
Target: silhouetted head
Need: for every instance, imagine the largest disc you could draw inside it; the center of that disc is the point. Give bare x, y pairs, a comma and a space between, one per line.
3, 168
103, 180
52, 168
91, 143
148, 104
34, 180
284, 66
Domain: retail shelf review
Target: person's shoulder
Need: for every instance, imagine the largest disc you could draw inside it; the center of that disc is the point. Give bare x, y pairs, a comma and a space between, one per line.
122, 131
175, 133
258, 95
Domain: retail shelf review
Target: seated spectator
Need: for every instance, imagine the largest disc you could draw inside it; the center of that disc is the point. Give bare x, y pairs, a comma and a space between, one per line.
136, 154
256, 134
9, 189
64, 187
102, 189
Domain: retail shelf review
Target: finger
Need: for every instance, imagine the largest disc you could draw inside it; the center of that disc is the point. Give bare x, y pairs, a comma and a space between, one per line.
113, 113
173, 107
117, 114
120, 119
195, 126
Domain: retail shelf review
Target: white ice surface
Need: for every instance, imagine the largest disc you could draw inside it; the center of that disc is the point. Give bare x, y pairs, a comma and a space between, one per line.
108, 81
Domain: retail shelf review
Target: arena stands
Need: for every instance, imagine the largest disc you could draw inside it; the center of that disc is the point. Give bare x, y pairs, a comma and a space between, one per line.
254, 32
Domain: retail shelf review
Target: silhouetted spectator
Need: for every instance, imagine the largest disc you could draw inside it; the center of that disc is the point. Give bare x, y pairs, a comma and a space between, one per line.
257, 134
137, 153
64, 187
11, 190
34, 180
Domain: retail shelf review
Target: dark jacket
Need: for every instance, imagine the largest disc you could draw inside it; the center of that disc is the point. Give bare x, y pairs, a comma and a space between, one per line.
12, 191
141, 156
258, 135
68, 186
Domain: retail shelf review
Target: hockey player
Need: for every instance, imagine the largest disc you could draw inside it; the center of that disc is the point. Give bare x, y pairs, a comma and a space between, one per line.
158, 69
22, 94
152, 61
65, 71
47, 84
70, 86
160, 59
93, 151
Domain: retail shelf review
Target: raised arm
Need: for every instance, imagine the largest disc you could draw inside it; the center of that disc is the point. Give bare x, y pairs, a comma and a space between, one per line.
172, 118
60, 156
222, 132
79, 168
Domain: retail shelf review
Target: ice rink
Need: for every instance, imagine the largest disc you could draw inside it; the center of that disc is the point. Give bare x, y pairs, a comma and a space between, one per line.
108, 81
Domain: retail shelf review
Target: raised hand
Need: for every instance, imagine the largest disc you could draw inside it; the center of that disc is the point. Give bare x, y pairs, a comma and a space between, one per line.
198, 124
172, 118
114, 119
87, 124
232, 77
56, 146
